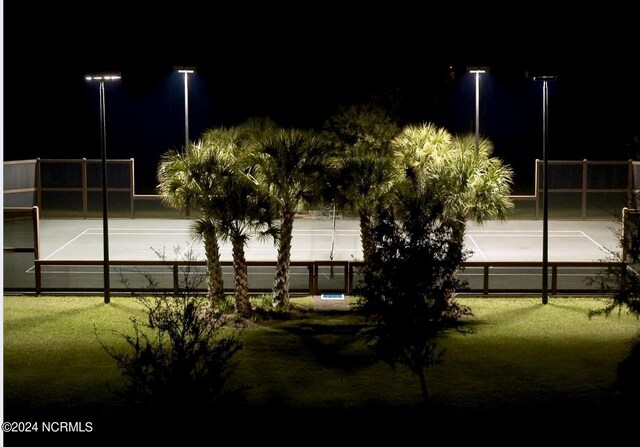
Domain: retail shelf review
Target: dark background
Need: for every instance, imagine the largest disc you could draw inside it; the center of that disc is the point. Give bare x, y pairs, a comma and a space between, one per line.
296, 64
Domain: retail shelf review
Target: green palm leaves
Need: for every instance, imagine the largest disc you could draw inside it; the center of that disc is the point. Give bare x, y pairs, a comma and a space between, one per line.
243, 179
470, 182
289, 166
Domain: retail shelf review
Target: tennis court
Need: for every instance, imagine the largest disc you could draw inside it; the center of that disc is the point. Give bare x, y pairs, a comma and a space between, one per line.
313, 240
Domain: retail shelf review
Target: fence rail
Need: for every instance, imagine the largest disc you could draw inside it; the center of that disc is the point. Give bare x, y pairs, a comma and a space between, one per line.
344, 276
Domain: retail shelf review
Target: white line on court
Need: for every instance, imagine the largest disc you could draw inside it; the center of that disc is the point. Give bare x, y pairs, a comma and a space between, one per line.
598, 245
71, 241
189, 249
479, 250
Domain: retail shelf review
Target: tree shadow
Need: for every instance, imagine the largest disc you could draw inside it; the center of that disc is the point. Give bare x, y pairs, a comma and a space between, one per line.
628, 375
507, 314
572, 308
335, 340
48, 318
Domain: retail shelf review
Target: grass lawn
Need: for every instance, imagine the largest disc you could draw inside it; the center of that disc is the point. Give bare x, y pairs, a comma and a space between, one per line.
523, 358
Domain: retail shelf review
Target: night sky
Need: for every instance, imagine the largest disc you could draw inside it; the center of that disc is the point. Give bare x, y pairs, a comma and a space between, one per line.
298, 65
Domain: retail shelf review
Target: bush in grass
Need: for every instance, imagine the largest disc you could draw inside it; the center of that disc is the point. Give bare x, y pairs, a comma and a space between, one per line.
180, 354
623, 285
180, 357
410, 282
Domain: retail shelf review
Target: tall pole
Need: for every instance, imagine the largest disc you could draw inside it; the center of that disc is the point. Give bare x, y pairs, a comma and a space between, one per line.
186, 71
545, 185
186, 109
477, 111
545, 194
477, 72
105, 202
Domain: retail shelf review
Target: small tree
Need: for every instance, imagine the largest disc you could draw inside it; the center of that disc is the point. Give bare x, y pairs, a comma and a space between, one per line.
407, 282
180, 354
623, 285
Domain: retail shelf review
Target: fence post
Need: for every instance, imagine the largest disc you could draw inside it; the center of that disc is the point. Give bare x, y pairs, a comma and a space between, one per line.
132, 190
316, 271
585, 185
35, 215
630, 186
85, 193
485, 280
176, 282
312, 290
554, 279
346, 277
38, 272
38, 183
625, 234
36, 248
536, 187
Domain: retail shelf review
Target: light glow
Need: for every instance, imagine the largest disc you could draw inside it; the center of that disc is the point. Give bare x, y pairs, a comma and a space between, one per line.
104, 77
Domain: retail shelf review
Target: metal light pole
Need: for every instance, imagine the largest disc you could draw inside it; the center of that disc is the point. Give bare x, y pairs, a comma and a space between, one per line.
477, 72
105, 208
545, 185
186, 71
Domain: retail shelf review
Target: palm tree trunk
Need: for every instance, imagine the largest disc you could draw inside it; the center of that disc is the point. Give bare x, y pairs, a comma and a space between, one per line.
365, 235
214, 270
241, 281
281, 281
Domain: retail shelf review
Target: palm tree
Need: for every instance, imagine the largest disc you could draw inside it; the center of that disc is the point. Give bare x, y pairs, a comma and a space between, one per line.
365, 181
468, 180
415, 145
190, 178
363, 172
289, 165
242, 210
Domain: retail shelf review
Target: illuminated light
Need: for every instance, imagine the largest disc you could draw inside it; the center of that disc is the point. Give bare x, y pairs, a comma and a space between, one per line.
477, 71
103, 77
186, 71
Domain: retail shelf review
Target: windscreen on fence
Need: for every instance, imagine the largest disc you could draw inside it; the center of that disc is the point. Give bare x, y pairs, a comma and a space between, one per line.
21, 246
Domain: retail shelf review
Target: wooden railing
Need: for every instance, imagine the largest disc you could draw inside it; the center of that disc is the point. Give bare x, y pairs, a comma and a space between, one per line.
342, 278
